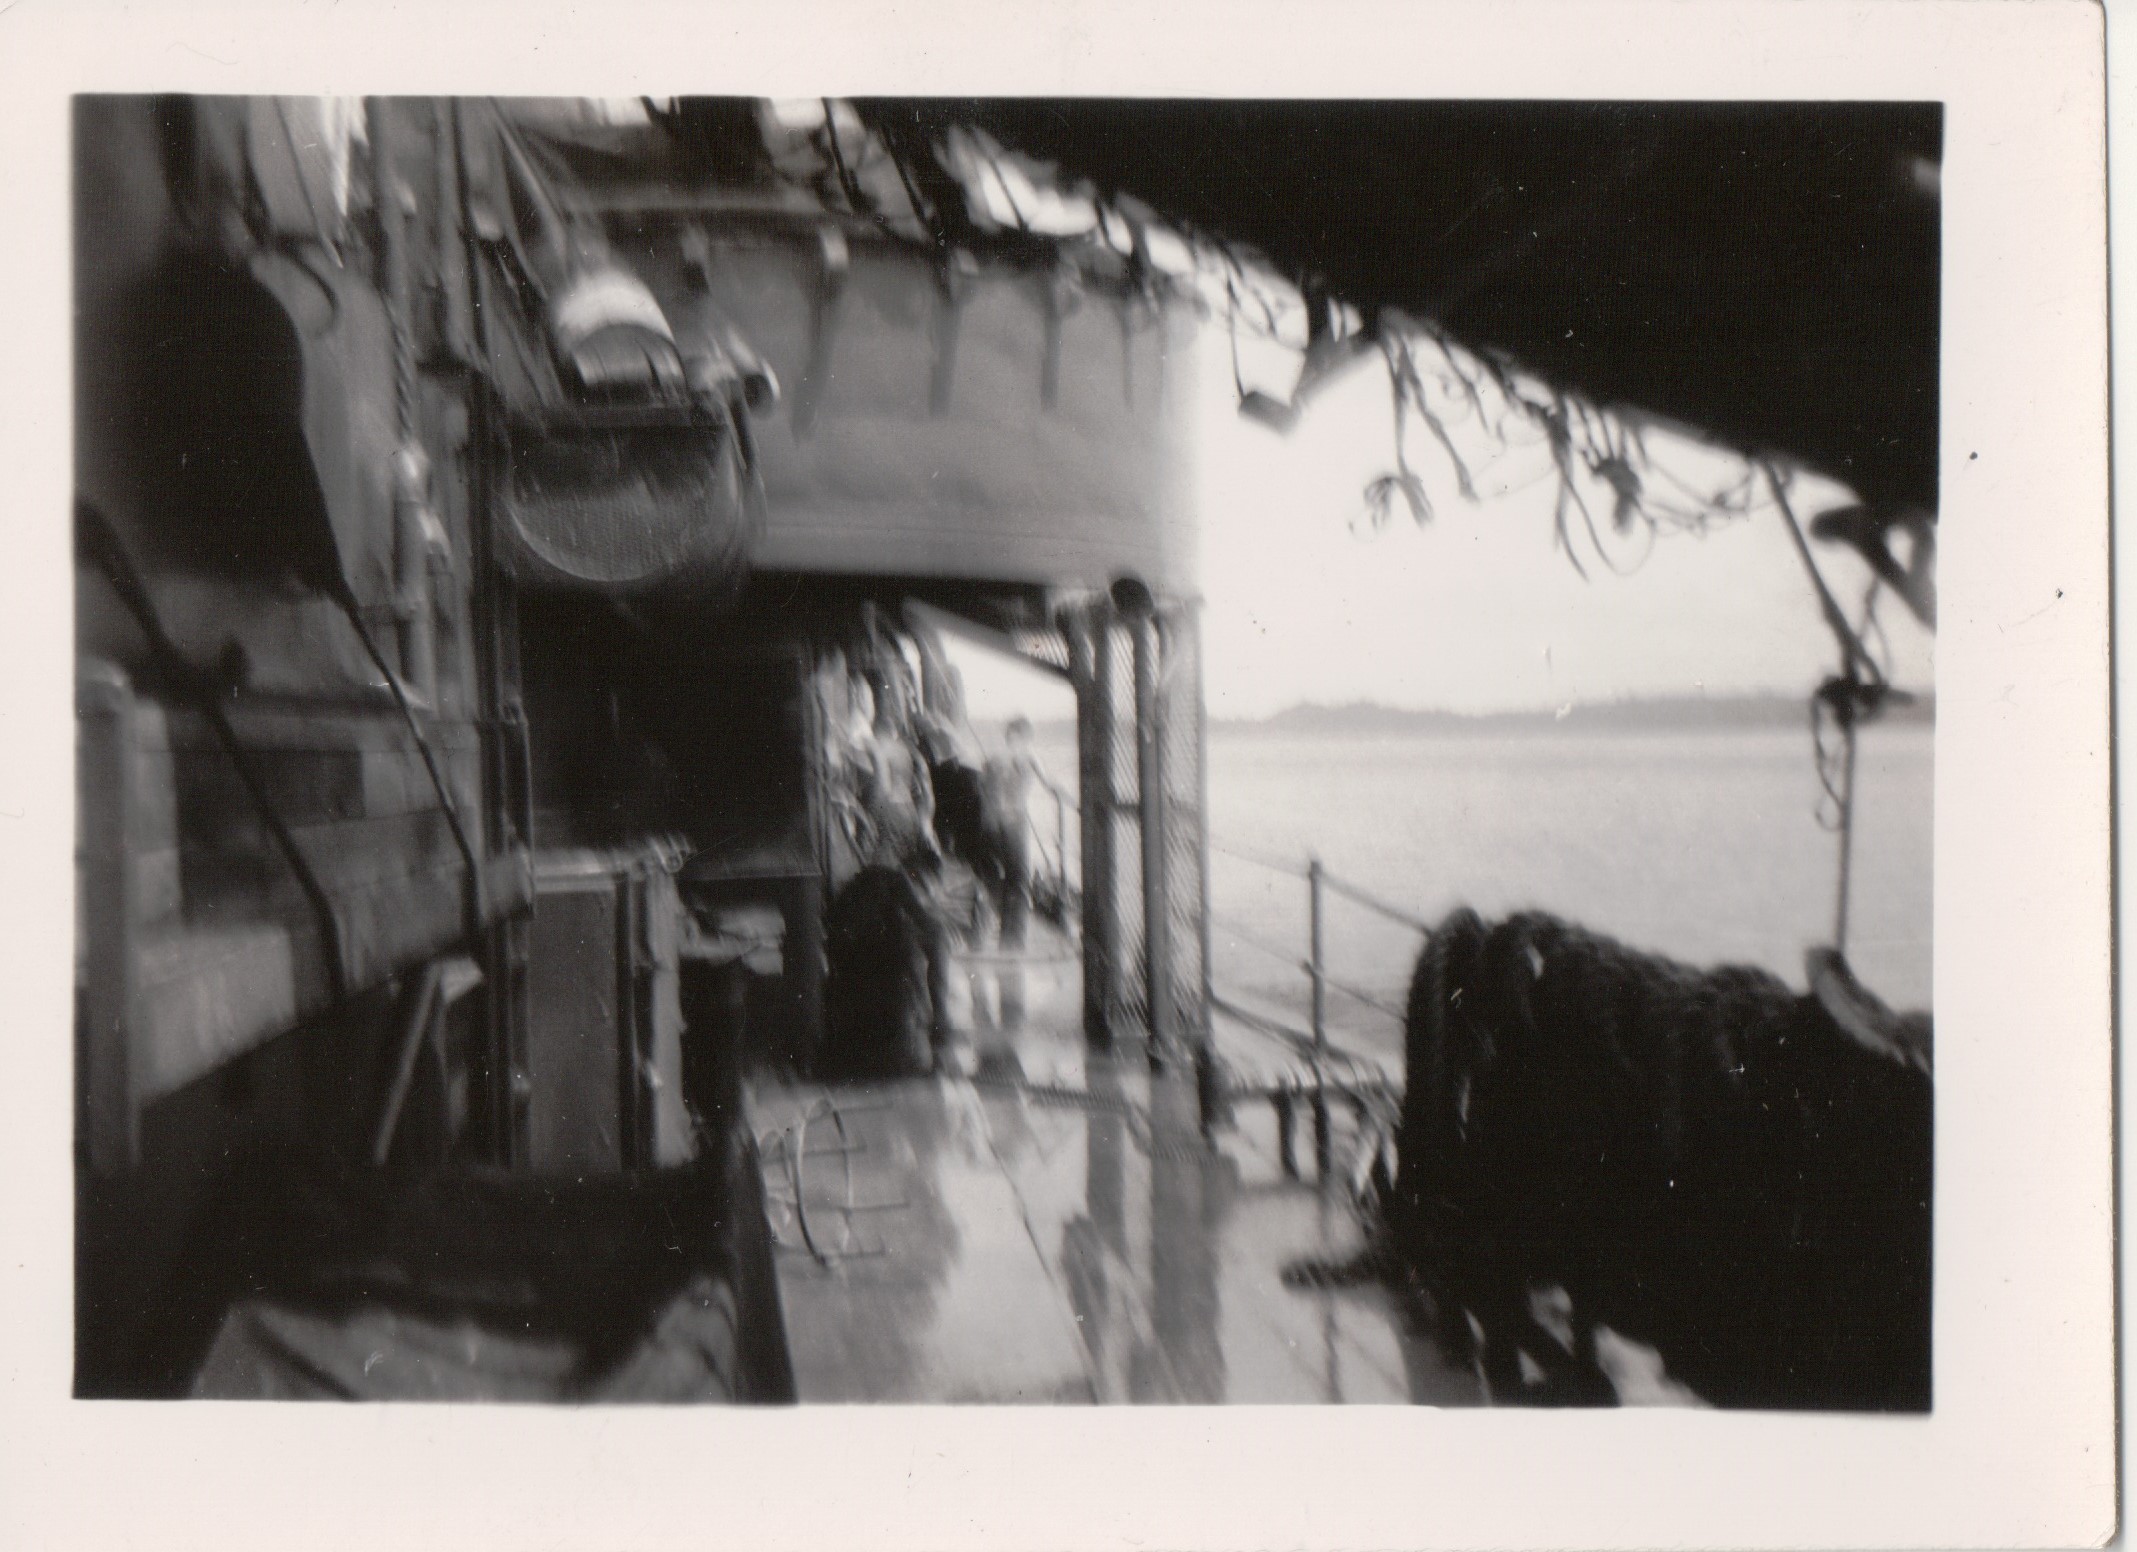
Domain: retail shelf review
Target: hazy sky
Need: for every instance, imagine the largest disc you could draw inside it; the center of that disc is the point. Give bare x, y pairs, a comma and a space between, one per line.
1477, 610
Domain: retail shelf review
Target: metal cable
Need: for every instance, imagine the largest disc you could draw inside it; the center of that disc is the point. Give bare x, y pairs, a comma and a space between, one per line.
1300, 1042
1358, 896
96, 535
1288, 869
1357, 994
472, 894
406, 389
1285, 956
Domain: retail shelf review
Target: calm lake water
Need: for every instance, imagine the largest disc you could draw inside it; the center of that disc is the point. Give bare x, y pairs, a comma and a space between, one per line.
1704, 846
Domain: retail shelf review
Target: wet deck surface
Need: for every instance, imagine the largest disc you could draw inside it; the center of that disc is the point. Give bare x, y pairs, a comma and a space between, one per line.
1049, 1225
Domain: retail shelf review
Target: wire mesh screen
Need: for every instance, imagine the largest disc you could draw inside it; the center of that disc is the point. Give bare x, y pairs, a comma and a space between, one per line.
1180, 714
1043, 646
1167, 670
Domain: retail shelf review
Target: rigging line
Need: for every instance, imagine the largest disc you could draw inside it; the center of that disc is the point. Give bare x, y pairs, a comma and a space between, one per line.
472, 895
931, 216
1231, 321
1237, 280
1469, 385
1410, 396
1276, 951
1288, 869
96, 534
1300, 1040
1825, 763
858, 199
1530, 483
523, 165
1359, 896
1872, 629
1852, 650
1683, 519
498, 704
1843, 888
1731, 501
1358, 995
1569, 485
838, 161
1257, 331
406, 390
1558, 523
1569, 471
1300, 1043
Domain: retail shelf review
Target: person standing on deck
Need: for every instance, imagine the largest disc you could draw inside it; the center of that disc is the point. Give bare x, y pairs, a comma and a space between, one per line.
897, 796
898, 799
1006, 787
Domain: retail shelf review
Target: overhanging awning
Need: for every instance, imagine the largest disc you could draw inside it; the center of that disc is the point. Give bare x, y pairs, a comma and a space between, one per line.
1764, 272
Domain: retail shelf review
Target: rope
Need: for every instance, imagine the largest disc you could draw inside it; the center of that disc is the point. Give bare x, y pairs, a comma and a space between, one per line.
1852, 652
1861, 685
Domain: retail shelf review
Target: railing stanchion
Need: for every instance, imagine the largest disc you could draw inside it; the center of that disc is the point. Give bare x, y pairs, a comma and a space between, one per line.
1317, 967
1286, 1094
1209, 1088
1314, 965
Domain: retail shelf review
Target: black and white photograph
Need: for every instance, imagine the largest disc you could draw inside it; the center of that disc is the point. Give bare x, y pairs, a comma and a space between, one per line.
1023, 750
1006, 751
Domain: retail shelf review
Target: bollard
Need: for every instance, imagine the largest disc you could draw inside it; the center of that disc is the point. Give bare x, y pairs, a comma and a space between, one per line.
1209, 1091
1286, 1134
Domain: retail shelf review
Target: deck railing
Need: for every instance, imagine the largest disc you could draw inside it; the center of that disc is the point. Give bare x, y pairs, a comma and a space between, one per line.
1337, 1071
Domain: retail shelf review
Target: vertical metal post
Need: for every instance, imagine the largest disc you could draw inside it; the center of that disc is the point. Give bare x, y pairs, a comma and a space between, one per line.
1209, 1087
1091, 663
1205, 1035
1317, 969
451, 324
1314, 966
1150, 777
487, 594
104, 705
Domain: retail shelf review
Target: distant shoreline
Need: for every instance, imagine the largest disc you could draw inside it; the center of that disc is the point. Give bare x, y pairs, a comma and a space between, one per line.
1676, 714
1673, 714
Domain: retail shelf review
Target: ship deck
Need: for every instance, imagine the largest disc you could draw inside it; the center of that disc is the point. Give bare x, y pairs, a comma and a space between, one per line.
1047, 1223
